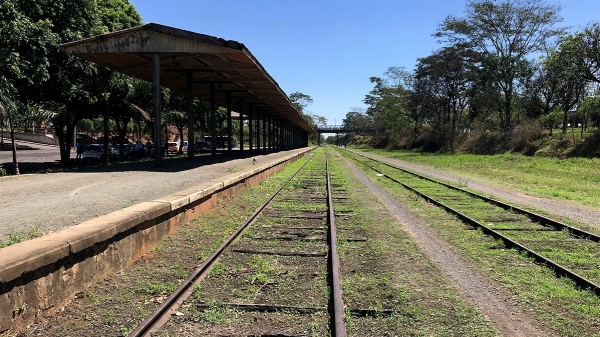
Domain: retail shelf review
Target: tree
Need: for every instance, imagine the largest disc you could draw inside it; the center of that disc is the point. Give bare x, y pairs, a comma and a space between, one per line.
15, 115
301, 102
580, 50
590, 107
449, 73
356, 120
505, 32
540, 91
32, 61
386, 103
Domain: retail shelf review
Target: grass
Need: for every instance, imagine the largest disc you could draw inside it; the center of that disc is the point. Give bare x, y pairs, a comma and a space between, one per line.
389, 271
573, 179
17, 237
558, 246
555, 301
127, 296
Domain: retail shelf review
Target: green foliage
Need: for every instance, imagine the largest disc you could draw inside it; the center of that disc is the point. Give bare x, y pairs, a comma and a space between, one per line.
17, 237
479, 92
72, 88
505, 32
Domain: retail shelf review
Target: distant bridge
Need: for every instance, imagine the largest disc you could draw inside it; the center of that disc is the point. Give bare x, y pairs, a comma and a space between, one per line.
337, 129
340, 129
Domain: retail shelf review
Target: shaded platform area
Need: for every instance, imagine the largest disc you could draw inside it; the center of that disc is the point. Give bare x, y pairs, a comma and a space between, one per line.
48, 202
221, 72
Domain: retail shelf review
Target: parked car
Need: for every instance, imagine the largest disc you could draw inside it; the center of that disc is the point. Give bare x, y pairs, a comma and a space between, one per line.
127, 150
173, 147
95, 151
203, 146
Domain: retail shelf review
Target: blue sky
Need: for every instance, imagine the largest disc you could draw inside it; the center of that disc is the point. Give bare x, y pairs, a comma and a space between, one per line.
328, 49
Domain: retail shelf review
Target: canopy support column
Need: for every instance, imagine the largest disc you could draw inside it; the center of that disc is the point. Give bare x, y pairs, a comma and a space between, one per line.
229, 128
190, 112
264, 131
257, 130
156, 107
272, 133
250, 128
241, 125
213, 113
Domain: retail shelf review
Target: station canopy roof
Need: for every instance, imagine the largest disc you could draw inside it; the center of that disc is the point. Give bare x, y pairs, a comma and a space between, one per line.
228, 64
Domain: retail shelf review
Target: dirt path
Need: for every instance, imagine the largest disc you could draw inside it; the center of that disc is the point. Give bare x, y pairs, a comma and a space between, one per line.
489, 297
580, 213
53, 201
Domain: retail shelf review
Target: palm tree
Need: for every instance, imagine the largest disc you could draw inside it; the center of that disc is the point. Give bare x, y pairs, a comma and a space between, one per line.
15, 115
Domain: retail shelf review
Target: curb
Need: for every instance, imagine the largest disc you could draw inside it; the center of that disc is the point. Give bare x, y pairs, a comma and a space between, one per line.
47, 272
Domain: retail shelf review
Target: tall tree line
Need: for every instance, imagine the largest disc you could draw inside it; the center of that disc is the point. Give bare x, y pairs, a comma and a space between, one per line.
39, 75
505, 64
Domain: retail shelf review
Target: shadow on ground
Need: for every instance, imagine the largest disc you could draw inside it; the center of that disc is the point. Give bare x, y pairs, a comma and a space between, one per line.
169, 164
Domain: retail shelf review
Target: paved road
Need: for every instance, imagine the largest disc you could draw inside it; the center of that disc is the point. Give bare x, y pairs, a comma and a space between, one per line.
32, 157
56, 200
35, 153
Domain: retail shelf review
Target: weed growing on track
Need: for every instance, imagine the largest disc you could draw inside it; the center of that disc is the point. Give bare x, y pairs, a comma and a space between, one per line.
389, 271
555, 245
544, 176
556, 301
123, 300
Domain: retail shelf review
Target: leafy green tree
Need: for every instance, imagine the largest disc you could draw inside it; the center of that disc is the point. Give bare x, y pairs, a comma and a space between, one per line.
540, 91
31, 32
301, 102
386, 103
356, 120
590, 108
449, 73
16, 115
505, 32
577, 61
580, 50
564, 64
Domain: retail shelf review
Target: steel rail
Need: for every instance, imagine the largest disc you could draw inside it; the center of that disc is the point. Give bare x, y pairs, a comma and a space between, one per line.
533, 216
339, 328
579, 280
149, 323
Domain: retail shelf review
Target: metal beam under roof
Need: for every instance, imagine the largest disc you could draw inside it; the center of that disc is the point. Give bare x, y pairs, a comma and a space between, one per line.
227, 63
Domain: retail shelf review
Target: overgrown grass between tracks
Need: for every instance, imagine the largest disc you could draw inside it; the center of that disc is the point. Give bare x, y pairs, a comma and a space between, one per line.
578, 255
115, 306
555, 300
573, 179
389, 272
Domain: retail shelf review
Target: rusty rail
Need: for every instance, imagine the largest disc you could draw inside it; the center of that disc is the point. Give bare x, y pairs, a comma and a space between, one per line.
545, 221
579, 280
165, 307
339, 329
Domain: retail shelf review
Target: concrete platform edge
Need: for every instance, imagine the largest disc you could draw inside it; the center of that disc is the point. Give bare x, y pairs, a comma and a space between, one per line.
45, 273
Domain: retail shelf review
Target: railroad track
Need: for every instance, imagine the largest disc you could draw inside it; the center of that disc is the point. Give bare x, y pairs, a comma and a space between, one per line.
280, 266
569, 251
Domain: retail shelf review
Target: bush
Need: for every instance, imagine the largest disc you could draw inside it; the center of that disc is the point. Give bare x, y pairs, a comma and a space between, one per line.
427, 140
484, 142
555, 147
589, 147
526, 138
2, 171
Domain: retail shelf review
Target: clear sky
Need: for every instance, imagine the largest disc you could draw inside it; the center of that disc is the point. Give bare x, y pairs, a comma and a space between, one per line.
328, 49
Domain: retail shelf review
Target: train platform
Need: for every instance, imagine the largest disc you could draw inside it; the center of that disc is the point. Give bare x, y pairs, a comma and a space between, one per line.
44, 203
